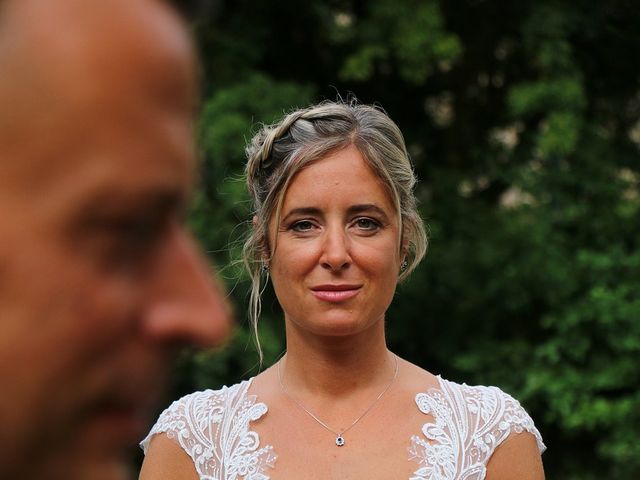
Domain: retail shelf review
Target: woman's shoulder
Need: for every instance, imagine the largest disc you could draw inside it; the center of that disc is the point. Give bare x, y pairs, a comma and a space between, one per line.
192, 419
465, 424
487, 414
212, 428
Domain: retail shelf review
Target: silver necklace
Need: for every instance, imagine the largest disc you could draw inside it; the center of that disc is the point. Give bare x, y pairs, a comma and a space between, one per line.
339, 434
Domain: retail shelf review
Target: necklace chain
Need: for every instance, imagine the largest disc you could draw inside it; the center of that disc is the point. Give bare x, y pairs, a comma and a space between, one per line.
339, 434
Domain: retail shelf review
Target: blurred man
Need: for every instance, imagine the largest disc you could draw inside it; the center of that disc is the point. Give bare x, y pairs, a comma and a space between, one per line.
98, 278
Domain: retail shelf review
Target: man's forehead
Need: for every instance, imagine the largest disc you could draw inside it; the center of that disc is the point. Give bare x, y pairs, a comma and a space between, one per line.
60, 57
85, 21
88, 48
115, 77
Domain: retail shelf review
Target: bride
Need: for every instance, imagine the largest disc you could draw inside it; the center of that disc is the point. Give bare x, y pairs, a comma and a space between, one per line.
335, 228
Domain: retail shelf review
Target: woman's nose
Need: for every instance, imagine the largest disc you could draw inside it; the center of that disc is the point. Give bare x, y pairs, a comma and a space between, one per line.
335, 249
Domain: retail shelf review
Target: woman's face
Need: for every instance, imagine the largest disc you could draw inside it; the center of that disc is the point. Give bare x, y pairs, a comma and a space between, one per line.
336, 259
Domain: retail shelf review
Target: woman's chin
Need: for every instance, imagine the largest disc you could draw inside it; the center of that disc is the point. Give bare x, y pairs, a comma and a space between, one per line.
336, 326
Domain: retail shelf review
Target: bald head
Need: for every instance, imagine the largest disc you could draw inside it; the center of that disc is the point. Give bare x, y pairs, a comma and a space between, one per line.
99, 279
64, 61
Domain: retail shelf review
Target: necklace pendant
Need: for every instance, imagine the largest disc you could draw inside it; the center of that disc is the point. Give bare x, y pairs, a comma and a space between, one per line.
339, 440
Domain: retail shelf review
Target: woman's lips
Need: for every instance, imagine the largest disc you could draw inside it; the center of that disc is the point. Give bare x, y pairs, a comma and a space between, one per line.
335, 293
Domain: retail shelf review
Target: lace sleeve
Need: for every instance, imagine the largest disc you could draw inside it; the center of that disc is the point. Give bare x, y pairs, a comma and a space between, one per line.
192, 422
499, 414
469, 424
212, 427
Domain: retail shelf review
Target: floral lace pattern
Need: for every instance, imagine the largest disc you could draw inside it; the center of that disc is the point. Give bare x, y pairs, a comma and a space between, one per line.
213, 428
469, 424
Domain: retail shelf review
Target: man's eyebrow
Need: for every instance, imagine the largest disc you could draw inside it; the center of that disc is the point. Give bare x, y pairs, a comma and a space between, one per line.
158, 200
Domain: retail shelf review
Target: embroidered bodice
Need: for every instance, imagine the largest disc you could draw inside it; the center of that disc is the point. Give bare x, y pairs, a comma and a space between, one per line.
466, 425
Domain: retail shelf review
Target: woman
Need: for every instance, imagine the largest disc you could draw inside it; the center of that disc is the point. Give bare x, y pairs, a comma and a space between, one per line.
335, 228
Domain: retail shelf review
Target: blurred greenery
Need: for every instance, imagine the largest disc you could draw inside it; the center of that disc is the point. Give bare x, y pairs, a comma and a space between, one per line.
523, 121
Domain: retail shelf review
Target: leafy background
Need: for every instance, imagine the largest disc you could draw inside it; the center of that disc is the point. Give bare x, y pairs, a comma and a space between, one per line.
523, 121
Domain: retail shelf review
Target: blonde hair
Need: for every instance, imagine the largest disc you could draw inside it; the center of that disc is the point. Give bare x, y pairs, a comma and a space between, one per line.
277, 152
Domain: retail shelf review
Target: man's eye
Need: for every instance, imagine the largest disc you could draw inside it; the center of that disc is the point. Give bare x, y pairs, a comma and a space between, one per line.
133, 240
137, 231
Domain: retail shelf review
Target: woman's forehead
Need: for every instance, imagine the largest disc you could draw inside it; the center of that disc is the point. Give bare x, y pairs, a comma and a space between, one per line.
342, 178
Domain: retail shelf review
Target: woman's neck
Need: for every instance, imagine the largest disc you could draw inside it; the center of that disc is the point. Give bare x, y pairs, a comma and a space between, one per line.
336, 367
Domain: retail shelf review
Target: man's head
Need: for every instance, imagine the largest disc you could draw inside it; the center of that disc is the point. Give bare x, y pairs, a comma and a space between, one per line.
98, 277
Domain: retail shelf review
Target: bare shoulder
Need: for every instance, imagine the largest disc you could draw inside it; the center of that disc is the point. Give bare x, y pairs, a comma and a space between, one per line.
517, 457
165, 460
414, 378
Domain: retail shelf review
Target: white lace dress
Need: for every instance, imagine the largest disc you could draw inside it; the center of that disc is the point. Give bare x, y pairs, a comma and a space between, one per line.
468, 423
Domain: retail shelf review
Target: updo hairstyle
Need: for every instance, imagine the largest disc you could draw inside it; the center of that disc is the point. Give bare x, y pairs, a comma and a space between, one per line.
279, 151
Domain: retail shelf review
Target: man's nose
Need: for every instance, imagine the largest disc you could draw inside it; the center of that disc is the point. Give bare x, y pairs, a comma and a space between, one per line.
187, 304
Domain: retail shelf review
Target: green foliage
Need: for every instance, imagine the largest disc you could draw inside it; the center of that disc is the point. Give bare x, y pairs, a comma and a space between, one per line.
409, 36
523, 120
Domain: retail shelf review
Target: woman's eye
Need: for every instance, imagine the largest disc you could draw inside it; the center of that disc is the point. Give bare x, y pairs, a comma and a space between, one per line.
367, 224
301, 226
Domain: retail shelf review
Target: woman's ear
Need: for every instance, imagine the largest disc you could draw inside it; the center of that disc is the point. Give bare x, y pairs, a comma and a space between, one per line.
262, 242
404, 244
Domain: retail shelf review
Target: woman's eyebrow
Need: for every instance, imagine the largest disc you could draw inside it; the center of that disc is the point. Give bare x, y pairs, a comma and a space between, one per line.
302, 211
366, 208
352, 210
